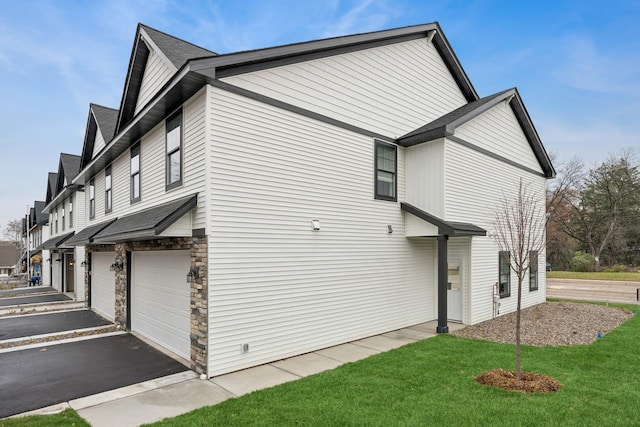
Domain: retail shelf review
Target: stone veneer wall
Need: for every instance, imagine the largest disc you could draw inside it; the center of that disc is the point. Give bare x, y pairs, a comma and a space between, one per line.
199, 302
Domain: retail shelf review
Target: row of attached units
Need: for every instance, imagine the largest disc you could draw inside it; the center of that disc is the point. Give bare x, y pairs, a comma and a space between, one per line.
243, 208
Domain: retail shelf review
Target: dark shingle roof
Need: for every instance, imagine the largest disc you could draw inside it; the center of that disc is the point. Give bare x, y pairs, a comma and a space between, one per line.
149, 222
106, 118
41, 217
70, 164
85, 236
52, 181
176, 50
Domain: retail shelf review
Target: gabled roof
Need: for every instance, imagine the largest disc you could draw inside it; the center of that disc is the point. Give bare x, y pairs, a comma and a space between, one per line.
67, 170
101, 119
174, 50
446, 125
197, 72
52, 181
41, 218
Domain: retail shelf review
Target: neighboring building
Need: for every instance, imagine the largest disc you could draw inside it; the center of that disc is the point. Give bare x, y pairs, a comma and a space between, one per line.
38, 233
9, 254
248, 207
65, 207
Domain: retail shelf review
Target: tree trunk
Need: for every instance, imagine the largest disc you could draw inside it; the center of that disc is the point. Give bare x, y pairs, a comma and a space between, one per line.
518, 309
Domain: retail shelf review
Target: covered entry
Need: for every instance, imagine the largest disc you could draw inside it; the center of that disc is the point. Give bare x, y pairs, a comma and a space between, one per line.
160, 298
423, 224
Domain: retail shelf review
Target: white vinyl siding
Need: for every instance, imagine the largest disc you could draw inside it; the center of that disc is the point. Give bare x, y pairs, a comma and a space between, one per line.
103, 287
276, 284
98, 143
160, 299
391, 89
425, 177
78, 273
152, 156
474, 183
498, 131
156, 74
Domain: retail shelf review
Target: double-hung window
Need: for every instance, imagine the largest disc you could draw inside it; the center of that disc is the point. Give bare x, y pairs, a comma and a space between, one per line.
63, 218
386, 166
92, 199
108, 200
56, 214
135, 173
174, 151
504, 274
71, 212
533, 270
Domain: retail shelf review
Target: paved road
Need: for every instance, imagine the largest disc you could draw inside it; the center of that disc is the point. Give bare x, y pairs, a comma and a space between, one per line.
593, 290
5, 302
40, 377
25, 326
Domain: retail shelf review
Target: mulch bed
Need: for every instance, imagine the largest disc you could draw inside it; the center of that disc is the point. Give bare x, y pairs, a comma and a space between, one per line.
529, 382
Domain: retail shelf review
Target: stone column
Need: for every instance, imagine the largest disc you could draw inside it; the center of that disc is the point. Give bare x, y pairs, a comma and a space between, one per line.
199, 305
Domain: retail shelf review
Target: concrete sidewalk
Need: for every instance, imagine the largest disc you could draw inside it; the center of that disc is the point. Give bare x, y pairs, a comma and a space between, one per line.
181, 393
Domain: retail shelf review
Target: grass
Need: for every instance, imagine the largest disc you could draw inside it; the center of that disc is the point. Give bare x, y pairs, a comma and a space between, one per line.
431, 383
66, 418
603, 275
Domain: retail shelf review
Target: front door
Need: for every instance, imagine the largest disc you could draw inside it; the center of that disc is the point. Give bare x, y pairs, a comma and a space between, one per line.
454, 291
69, 278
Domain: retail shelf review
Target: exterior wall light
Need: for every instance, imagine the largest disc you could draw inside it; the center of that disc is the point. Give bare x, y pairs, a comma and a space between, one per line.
117, 266
192, 274
389, 229
315, 224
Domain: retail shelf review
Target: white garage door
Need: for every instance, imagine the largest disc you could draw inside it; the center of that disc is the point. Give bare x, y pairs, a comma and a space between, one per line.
103, 287
160, 298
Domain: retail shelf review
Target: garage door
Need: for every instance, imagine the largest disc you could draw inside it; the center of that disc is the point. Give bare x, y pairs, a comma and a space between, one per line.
103, 287
160, 298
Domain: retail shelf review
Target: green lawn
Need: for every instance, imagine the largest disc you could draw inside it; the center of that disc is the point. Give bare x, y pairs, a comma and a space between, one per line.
430, 383
628, 277
64, 419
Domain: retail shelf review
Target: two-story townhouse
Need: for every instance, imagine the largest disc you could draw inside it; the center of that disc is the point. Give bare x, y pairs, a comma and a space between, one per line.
38, 234
64, 205
268, 203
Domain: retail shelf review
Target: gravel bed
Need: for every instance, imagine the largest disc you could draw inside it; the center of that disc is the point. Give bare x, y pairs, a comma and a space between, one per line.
551, 324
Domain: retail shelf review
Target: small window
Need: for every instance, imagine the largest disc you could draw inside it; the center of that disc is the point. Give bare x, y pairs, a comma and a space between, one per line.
174, 151
64, 223
107, 190
92, 199
505, 274
135, 173
386, 160
56, 220
71, 212
533, 271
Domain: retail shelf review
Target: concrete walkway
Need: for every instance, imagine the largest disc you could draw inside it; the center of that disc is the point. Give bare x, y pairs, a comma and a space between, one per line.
181, 393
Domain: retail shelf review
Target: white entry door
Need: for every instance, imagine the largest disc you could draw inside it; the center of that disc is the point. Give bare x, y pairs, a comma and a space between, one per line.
160, 299
454, 291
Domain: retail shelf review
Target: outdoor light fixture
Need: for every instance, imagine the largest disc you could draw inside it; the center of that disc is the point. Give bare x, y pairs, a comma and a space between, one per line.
315, 224
117, 266
59, 260
389, 229
83, 263
192, 274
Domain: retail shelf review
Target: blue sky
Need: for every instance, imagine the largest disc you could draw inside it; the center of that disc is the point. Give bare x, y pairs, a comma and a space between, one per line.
575, 63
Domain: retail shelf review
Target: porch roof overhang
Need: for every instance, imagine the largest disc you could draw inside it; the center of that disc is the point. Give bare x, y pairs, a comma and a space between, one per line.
445, 228
56, 242
146, 224
85, 236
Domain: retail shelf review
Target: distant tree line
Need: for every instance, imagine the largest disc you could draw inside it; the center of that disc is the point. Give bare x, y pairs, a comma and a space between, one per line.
594, 215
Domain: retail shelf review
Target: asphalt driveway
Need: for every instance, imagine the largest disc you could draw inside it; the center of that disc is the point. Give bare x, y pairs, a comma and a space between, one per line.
5, 302
26, 326
39, 377
25, 291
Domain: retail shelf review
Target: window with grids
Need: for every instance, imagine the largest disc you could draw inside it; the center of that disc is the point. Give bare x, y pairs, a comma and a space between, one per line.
533, 271
504, 274
92, 199
108, 198
174, 151
135, 173
386, 166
